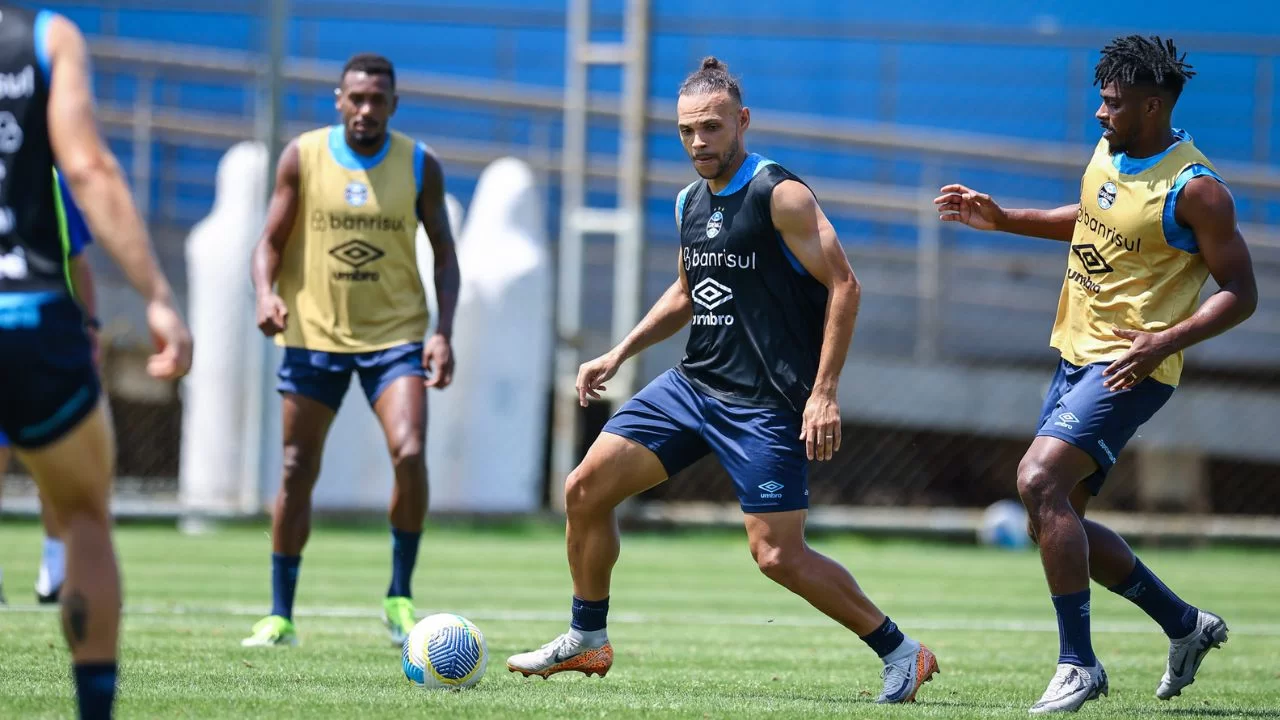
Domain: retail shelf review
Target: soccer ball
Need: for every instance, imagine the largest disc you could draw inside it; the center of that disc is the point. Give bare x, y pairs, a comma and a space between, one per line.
1004, 525
445, 652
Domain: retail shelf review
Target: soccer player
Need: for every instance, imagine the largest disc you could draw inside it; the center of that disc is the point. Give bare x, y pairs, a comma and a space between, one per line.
76, 234
767, 288
1153, 221
339, 249
52, 408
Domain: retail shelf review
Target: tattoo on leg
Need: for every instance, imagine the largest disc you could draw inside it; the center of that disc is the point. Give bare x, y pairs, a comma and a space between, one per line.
75, 618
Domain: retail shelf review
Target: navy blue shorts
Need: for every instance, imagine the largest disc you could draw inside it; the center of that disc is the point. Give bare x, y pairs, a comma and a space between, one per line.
1080, 411
759, 447
325, 376
48, 383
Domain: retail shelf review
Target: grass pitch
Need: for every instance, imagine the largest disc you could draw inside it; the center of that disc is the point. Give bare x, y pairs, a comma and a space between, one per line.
698, 631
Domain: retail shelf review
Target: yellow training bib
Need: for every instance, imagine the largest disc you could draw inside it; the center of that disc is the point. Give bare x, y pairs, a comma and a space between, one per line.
1131, 266
349, 274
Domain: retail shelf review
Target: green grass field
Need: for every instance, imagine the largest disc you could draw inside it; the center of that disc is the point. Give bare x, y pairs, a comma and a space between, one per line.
697, 630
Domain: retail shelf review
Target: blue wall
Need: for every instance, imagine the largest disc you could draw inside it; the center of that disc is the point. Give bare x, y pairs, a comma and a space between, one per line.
1041, 92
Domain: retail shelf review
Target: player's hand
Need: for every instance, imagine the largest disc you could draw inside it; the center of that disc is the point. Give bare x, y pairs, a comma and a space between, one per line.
437, 360
172, 359
272, 314
1143, 357
593, 375
820, 430
958, 203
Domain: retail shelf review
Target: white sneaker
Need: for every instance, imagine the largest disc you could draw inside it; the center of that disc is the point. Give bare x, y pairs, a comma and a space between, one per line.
564, 653
1071, 687
903, 677
1186, 654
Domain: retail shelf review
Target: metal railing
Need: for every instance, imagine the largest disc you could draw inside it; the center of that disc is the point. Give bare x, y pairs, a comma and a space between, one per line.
144, 122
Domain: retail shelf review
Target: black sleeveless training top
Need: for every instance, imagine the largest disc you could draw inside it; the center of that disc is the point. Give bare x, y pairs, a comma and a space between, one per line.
758, 315
33, 256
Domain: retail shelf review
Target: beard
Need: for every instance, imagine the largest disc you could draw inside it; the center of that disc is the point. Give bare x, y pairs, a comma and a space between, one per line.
723, 162
366, 138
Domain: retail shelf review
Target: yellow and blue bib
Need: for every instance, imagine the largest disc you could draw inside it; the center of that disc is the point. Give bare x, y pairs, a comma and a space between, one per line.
349, 274
1132, 265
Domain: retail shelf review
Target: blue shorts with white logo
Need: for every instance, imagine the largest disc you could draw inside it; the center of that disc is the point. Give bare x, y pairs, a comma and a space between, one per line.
759, 447
48, 383
325, 376
1079, 410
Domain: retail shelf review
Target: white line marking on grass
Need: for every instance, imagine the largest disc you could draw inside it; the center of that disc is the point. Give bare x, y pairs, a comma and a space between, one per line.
955, 624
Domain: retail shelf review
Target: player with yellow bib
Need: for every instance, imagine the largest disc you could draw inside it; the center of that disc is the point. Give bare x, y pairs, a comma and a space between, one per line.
1154, 220
337, 280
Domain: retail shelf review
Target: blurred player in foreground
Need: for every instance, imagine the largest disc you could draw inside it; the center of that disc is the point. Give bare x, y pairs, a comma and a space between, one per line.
338, 286
1153, 221
53, 562
772, 301
51, 405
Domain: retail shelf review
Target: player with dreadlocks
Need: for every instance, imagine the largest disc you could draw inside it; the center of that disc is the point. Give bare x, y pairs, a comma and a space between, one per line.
1153, 221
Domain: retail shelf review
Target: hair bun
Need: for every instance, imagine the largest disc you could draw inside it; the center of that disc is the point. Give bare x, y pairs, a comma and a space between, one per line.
713, 63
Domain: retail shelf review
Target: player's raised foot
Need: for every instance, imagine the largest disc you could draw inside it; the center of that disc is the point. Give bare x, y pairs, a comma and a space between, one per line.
565, 653
1186, 654
904, 675
399, 616
270, 631
1071, 687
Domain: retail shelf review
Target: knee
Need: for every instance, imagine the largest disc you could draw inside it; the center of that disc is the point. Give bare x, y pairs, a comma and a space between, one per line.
300, 468
1038, 486
582, 492
407, 452
778, 563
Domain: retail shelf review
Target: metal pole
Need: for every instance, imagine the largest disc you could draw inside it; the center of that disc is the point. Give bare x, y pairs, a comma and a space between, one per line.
142, 139
270, 128
565, 412
928, 271
629, 264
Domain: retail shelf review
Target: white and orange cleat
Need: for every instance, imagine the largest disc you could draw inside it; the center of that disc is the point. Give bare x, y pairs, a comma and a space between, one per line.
566, 653
903, 675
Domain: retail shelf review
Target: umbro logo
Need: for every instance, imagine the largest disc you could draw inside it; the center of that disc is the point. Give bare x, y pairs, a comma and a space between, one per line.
711, 294
356, 253
1092, 260
1067, 420
770, 490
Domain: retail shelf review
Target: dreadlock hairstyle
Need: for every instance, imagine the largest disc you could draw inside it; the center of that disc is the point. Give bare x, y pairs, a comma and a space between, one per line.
1138, 60
712, 76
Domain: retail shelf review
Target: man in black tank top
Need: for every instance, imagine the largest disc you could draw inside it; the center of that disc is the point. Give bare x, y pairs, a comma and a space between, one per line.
772, 301
50, 400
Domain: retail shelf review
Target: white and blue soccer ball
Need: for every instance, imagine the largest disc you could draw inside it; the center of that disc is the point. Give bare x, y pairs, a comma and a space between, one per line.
1004, 525
445, 652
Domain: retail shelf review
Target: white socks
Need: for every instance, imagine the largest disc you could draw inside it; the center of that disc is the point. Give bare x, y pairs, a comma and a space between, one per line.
589, 638
53, 567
